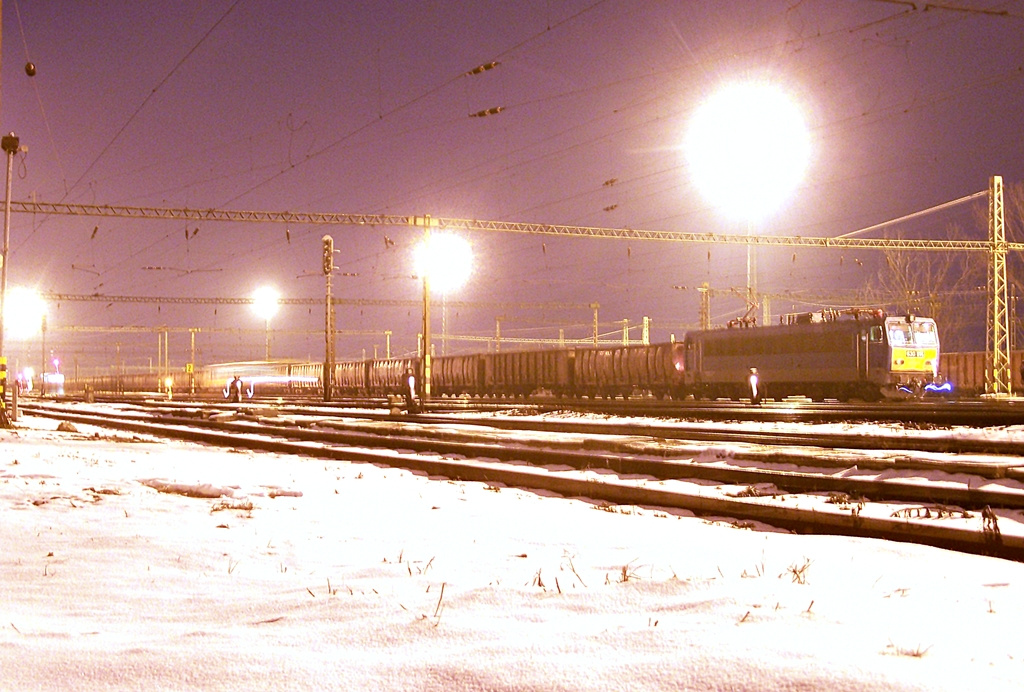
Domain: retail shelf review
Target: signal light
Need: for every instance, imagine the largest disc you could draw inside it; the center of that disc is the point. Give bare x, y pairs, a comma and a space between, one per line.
328, 254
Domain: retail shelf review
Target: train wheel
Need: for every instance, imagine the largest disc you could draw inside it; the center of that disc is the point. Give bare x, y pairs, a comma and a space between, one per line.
871, 393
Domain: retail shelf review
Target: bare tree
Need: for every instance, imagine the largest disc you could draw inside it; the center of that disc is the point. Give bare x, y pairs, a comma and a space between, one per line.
949, 286
952, 286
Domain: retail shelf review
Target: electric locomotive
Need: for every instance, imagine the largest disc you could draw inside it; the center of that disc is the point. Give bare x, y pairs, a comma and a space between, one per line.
829, 354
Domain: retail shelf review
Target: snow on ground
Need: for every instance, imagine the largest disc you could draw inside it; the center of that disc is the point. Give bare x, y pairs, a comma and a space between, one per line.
134, 563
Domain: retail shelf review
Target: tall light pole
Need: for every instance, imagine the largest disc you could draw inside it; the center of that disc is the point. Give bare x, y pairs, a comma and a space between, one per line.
265, 302
427, 356
444, 261
748, 147
10, 144
42, 355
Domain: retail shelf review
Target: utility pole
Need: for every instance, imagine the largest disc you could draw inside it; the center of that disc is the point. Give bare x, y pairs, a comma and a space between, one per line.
705, 306
42, 372
10, 144
192, 363
425, 387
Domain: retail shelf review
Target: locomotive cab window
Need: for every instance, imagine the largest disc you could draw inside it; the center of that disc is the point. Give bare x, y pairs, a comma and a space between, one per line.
900, 334
924, 333
875, 335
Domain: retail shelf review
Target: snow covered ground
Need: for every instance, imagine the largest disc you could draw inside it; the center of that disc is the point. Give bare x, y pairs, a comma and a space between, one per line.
135, 563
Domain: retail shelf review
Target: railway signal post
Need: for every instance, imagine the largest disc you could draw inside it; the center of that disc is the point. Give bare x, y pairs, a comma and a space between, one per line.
328, 318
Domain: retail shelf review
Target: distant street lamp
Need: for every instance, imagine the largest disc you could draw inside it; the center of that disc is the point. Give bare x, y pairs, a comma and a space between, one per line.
265, 301
748, 147
24, 316
24, 311
445, 262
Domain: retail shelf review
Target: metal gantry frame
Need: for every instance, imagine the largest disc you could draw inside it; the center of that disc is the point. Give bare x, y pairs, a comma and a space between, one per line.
996, 246
342, 219
997, 333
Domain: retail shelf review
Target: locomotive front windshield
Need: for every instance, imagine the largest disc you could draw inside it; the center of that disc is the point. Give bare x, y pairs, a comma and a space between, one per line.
924, 333
918, 333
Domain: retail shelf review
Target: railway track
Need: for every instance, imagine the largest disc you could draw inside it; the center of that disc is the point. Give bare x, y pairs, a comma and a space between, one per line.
931, 411
804, 483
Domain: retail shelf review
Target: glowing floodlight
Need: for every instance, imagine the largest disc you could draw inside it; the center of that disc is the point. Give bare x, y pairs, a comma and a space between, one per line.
446, 260
265, 301
747, 148
24, 310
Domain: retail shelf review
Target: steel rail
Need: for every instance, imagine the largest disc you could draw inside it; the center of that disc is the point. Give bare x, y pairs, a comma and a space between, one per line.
666, 430
831, 519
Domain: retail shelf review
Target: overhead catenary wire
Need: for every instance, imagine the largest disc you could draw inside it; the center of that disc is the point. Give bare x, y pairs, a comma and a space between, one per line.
667, 170
39, 102
916, 214
149, 96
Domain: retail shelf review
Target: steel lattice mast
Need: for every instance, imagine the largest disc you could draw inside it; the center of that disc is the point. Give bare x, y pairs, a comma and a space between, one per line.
997, 333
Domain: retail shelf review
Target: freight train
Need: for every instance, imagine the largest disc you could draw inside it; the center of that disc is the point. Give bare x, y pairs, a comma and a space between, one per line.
970, 373
863, 354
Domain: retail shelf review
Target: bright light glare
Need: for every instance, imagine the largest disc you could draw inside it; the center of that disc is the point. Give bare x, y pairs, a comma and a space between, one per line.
447, 261
748, 147
265, 301
23, 313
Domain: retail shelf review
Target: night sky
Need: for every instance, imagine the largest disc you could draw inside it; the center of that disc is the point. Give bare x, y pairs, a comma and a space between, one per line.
368, 107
